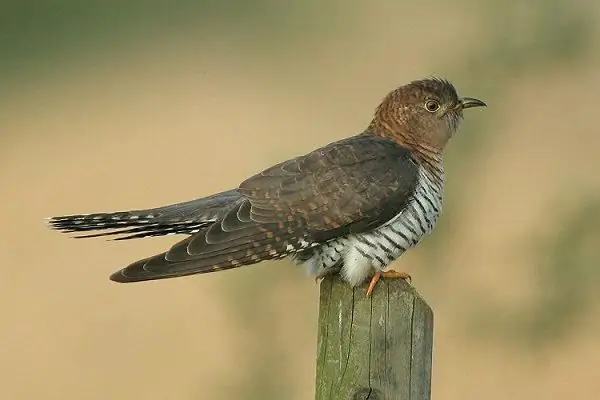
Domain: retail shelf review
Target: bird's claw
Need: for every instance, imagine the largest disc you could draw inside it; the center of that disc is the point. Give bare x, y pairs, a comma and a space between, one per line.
387, 274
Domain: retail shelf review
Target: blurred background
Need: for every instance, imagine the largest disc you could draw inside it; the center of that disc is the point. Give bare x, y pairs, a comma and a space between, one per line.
111, 105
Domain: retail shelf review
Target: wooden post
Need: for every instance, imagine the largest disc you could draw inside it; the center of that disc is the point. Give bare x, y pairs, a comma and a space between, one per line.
377, 348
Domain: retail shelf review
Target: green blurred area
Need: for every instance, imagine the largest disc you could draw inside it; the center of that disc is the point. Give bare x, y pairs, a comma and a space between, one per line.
36, 35
554, 36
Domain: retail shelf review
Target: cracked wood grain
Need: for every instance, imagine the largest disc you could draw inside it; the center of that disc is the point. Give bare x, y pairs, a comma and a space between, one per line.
377, 348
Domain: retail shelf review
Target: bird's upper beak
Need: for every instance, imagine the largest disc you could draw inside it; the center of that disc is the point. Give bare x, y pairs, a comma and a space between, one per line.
469, 102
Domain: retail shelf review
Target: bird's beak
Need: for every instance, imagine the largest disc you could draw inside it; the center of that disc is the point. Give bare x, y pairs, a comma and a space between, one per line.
469, 102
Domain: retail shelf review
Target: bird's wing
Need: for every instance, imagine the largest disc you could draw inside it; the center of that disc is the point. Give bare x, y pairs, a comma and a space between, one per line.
349, 186
187, 217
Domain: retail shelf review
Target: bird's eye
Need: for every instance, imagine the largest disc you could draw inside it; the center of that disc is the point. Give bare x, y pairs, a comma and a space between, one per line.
432, 105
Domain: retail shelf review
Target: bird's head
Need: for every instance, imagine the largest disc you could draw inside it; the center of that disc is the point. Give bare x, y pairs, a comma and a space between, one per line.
425, 113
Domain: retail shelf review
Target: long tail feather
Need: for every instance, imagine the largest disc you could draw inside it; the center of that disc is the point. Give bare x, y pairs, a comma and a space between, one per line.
233, 241
181, 218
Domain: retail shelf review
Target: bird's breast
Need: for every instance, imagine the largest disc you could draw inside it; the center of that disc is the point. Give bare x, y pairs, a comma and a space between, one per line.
378, 248
359, 254
419, 216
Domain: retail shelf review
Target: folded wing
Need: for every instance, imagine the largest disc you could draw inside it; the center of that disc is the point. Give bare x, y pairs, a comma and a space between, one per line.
349, 186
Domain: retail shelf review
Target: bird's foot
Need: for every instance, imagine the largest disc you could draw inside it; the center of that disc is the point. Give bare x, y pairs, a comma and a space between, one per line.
321, 277
386, 274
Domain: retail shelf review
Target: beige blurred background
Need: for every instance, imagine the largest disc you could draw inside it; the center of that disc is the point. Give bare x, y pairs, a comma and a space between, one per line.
119, 105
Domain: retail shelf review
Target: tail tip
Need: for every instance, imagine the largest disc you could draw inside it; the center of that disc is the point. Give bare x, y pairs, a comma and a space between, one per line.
120, 277
49, 220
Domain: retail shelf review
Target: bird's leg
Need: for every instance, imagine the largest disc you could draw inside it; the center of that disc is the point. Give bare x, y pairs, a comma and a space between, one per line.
328, 271
386, 274
319, 278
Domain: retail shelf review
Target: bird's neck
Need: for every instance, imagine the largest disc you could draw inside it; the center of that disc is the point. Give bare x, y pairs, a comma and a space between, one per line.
432, 161
429, 157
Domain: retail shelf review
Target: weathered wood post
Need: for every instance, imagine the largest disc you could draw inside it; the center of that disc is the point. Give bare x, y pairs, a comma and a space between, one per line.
377, 348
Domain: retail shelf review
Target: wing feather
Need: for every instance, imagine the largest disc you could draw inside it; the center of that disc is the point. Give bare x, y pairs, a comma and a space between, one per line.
349, 186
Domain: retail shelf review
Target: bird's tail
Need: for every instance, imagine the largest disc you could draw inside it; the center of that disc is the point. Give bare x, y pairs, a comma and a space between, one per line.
181, 218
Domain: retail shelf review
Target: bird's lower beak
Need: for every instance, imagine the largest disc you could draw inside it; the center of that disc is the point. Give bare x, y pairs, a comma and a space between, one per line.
469, 102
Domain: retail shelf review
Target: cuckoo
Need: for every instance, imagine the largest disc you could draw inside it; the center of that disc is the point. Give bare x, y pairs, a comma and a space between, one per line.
350, 207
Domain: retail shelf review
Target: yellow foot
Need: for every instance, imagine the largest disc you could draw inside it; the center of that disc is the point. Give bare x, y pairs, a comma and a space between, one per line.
386, 274
319, 279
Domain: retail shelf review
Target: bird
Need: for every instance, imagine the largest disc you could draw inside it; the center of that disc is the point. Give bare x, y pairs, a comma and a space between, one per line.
351, 207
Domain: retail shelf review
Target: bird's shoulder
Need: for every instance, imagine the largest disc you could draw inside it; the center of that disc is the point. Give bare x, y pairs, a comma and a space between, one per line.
355, 156
352, 185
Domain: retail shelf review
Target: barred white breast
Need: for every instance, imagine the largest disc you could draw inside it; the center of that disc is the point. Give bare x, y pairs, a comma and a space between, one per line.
360, 255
